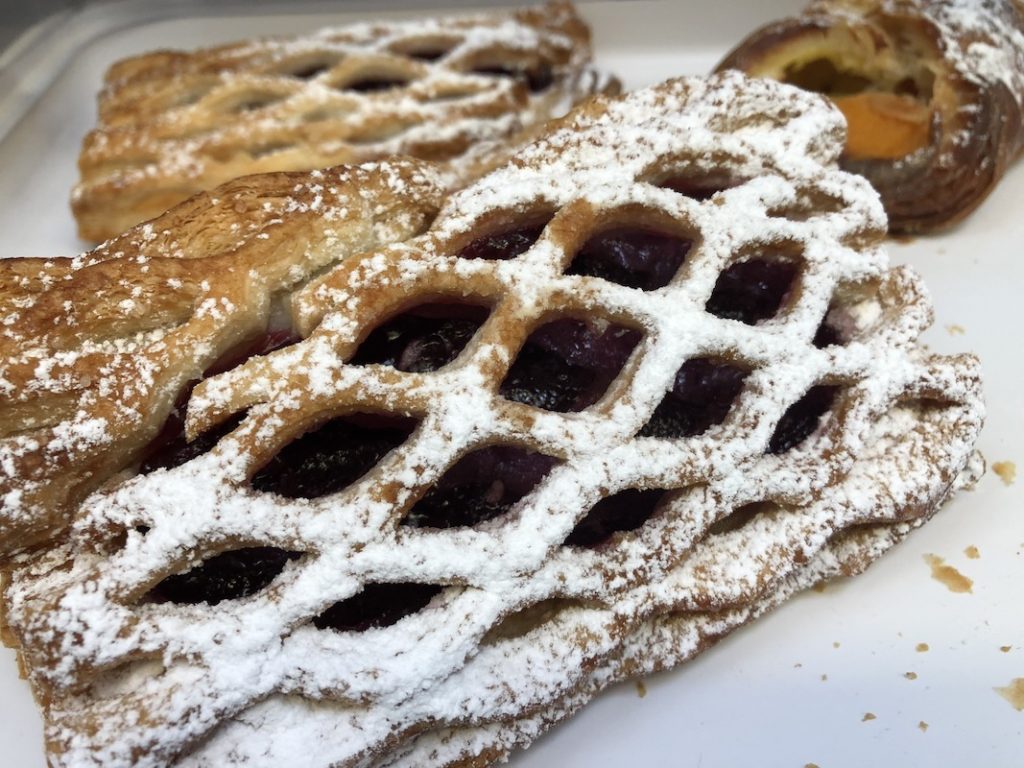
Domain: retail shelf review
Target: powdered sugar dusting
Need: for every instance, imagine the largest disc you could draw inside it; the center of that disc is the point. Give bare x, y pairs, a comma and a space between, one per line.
891, 448
187, 121
99, 347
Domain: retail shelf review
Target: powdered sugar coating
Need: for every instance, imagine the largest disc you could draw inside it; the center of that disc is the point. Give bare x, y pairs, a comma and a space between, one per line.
97, 348
455, 662
172, 123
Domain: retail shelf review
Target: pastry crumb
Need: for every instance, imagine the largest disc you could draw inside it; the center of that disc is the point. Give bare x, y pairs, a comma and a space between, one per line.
972, 552
835, 644
824, 678
948, 575
921, 647
1013, 693
868, 716
910, 675
1007, 471
1005, 648
923, 726
955, 330
641, 689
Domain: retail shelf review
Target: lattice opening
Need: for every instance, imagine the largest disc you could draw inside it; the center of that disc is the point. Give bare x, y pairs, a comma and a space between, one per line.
506, 243
426, 49
331, 457
626, 510
250, 102
377, 605
753, 290
308, 69
481, 486
702, 396
370, 82
422, 339
740, 516
126, 678
809, 204
228, 576
802, 418
699, 186
636, 257
191, 96
537, 78
854, 311
533, 617
170, 448
567, 365
829, 334
446, 94
325, 113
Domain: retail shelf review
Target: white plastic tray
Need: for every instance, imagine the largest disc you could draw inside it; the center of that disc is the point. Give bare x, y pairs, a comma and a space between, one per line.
792, 689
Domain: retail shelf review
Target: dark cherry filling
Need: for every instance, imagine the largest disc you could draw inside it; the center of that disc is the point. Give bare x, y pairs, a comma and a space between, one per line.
827, 335
374, 84
332, 457
567, 365
169, 448
751, 290
227, 576
423, 339
802, 418
503, 245
698, 188
625, 511
704, 392
537, 78
636, 258
482, 485
378, 605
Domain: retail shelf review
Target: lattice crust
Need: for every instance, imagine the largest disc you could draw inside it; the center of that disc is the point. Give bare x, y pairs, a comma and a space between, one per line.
529, 614
464, 91
658, 643
958, 64
96, 351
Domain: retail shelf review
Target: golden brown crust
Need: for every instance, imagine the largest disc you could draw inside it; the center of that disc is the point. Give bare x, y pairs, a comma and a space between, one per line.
174, 123
97, 349
965, 59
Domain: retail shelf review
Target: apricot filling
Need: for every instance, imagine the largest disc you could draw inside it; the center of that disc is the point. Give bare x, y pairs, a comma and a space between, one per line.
884, 126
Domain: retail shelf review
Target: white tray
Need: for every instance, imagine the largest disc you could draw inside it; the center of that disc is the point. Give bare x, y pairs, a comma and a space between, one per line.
761, 697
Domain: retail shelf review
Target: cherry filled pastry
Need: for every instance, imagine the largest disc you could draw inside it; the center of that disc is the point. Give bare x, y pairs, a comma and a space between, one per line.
461, 91
623, 395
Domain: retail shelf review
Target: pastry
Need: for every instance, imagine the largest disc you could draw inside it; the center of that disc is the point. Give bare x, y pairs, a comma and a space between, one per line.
627, 392
462, 91
96, 352
933, 93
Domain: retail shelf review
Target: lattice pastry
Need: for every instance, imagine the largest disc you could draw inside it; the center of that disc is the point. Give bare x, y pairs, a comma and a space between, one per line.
463, 91
96, 352
627, 392
933, 91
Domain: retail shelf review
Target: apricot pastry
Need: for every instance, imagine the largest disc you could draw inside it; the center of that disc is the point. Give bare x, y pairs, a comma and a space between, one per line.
932, 90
